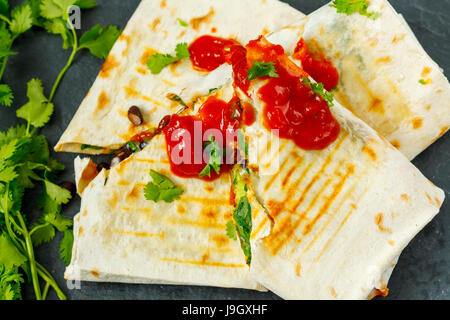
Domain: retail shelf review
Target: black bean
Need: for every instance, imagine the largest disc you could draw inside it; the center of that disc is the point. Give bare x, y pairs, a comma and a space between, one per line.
164, 122
103, 165
143, 144
68, 185
135, 116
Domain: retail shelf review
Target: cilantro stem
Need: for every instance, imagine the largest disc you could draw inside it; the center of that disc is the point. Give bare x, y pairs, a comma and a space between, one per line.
69, 62
2, 17
44, 274
32, 261
44, 293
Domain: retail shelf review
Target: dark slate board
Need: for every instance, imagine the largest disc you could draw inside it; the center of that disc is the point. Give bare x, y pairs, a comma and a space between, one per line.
423, 269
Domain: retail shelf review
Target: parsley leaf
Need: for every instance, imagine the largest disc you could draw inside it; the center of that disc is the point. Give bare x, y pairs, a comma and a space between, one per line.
182, 23
65, 247
99, 41
38, 110
262, 69
6, 95
215, 158
231, 230
9, 255
243, 217
320, 90
157, 62
21, 19
351, 6
161, 189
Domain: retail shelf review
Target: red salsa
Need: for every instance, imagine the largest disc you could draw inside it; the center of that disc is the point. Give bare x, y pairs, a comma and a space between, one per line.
317, 65
209, 52
291, 106
185, 137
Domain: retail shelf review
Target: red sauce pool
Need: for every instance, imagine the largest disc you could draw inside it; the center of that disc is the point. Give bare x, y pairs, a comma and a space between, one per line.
320, 69
291, 106
209, 52
185, 136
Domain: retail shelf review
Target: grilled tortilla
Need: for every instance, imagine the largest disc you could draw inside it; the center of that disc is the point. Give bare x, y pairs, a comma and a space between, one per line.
122, 237
386, 77
125, 79
339, 217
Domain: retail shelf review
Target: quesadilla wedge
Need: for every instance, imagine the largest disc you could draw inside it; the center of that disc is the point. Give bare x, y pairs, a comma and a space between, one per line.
120, 236
385, 76
342, 204
160, 27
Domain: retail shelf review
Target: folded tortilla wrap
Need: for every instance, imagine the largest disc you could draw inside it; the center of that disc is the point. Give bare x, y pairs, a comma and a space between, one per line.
125, 79
340, 217
380, 63
122, 237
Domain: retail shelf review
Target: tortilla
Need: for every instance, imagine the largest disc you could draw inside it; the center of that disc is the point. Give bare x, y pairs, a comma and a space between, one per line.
380, 63
125, 79
122, 237
339, 217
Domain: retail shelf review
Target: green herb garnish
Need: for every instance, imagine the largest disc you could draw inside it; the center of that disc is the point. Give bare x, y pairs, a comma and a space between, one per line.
422, 81
157, 62
320, 90
134, 146
231, 230
161, 189
215, 158
351, 6
182, 23
243, 217
176, 98
88, 146
262, 69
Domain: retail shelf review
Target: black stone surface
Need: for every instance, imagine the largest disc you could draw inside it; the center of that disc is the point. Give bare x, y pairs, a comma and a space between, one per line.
423, 269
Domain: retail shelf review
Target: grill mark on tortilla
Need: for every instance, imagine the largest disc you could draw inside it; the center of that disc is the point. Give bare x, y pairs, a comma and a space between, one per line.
333, 292
284, 143
80, 231
337, 190
385, 59
197, 22
285, 226
140, 234
345, 198
95, 273
130, 92
425, 71
396, 144
141, 70
220, 240
113, 200
127, 39
417, 123
170, 84
151, 161
291, 171
154, 24
181, 35
370, 152
110, 64
102, 101
398, 38
205, 263
275, 176
349, 214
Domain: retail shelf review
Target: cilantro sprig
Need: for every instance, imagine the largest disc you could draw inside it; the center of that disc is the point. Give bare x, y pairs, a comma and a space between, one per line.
215, 153
162, 189
319, 89
351, 6
157, 62
25, 159
262, 69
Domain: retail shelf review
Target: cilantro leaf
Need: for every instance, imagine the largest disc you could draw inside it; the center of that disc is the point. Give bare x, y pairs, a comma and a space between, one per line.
57, 193
6, 95
21, 19
86, 4
4, 8
9, 255
215, 158
38, 110
161, 189
8, 174
320, 90
231, 230
44, 233
10, 281
351, 6
65, 247
157, 62
243, 218
182, 23
58, 221
59, 26
88, 146
99, 41
262, 69
52, 9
